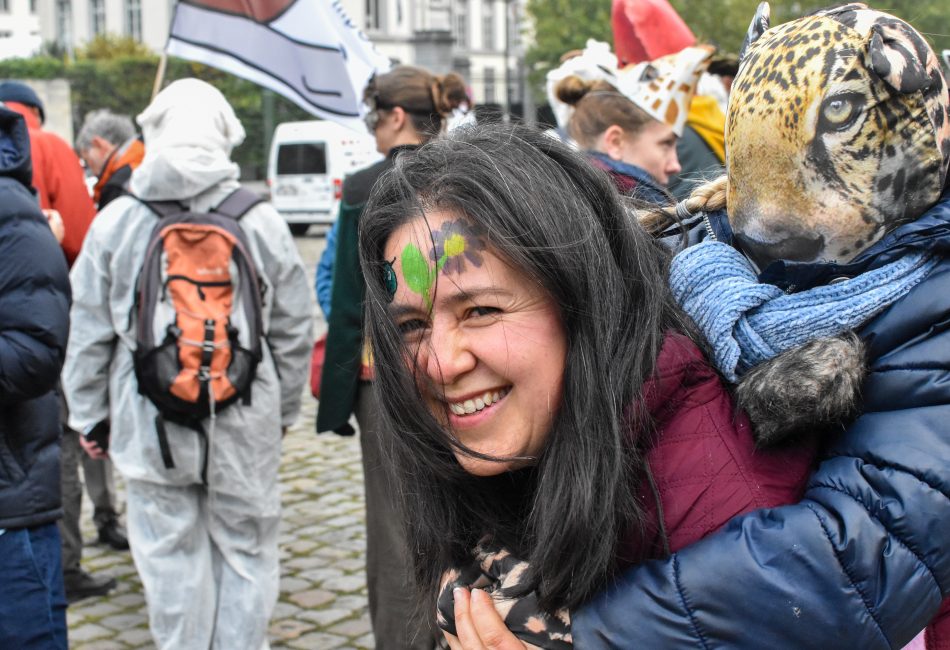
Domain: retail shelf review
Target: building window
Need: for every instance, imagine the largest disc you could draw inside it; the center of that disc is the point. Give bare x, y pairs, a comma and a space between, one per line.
64, 21
461, 24
97, 16
374, 14
489, 85
32, 6
133, 19
488, 25
5, 6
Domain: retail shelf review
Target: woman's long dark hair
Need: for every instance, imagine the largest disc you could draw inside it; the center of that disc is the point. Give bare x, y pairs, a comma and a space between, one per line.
547, 212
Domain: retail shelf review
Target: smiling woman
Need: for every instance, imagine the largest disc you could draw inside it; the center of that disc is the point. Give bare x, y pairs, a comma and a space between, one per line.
544, 396
478, 342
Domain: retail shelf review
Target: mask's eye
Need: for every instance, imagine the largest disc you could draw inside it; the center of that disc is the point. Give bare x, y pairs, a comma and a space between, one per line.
838, 112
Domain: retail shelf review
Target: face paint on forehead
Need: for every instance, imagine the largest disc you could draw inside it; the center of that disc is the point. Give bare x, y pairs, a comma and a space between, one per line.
455, 242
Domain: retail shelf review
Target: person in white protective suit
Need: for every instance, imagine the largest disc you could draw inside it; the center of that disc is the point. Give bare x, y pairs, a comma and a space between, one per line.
207, 554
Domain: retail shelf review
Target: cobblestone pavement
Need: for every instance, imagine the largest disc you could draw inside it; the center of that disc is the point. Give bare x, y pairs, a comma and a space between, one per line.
322, 600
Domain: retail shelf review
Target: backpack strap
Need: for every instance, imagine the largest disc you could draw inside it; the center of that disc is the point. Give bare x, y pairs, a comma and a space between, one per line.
162, 208
238, 202
166, 450
235, 205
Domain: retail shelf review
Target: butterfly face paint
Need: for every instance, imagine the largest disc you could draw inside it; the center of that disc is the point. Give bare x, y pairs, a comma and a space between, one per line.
389, 280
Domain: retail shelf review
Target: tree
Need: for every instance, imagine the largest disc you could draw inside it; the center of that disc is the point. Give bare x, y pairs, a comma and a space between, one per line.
724, 23
558, 26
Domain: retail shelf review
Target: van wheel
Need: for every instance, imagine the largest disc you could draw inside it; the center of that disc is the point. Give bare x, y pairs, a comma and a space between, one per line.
299, 229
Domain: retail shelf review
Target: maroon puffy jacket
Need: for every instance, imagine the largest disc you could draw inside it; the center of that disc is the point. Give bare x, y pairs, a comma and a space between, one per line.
704, 468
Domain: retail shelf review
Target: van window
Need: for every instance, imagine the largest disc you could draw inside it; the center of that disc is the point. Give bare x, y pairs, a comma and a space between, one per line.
302, 158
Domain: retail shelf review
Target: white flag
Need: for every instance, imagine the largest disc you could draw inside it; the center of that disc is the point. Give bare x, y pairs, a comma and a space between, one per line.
307, 50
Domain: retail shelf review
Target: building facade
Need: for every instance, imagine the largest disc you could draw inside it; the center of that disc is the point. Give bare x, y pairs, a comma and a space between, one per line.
71, 23
19, 29
479, 39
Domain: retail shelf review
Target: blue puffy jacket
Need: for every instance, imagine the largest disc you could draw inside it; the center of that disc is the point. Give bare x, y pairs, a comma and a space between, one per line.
862, 561
34, 323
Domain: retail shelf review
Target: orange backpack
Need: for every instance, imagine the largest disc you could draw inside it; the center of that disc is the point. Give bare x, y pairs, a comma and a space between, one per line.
199, 327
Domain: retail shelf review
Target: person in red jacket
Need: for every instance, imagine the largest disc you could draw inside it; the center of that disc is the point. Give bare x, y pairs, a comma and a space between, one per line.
57, 174
553, 417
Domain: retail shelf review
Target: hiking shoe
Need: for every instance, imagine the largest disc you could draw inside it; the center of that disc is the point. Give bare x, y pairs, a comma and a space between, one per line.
113, 536
80, 584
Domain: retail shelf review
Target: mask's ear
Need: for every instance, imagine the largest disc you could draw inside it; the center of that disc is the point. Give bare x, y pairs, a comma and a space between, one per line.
898, 55
760, 24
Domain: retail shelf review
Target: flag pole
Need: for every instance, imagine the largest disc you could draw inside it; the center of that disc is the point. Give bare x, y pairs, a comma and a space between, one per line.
160, 74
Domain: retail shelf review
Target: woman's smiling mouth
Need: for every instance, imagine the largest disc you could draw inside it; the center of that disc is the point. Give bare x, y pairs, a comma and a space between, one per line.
476, 404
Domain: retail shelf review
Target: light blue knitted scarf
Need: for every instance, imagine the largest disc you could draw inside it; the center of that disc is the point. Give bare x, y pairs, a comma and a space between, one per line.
747, 323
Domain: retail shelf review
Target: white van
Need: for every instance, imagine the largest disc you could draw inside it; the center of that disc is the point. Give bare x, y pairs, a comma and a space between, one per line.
305, 171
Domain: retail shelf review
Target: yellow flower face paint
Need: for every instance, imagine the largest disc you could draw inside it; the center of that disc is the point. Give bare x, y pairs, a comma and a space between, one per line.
454, 242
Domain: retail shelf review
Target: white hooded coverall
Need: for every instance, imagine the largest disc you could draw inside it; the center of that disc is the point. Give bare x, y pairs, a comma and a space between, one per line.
207, 556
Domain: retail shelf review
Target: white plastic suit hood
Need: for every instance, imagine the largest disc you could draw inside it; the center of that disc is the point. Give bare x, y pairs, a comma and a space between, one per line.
189, 131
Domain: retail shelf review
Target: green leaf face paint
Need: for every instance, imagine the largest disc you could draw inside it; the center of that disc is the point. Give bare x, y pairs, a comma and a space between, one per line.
418, 274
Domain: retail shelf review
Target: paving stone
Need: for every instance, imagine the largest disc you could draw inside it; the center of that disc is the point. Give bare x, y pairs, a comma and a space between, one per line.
357, 603
302, 546
284, 610
352, 627
318, 641
325, 617
94, 609
88, 632
138, 637
99, 644
352, 564
345, 584
289, 629
128, 600
305, 562
120, 621
293, 585
312, 598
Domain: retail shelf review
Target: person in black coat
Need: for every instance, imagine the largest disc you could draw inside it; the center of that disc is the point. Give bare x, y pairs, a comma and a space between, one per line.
34, 323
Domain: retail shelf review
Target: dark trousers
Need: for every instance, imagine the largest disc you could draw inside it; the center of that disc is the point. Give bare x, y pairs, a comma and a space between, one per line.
387, 564
32, 600
100, 486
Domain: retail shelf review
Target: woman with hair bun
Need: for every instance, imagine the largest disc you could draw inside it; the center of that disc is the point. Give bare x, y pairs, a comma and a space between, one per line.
406, 107
628, 122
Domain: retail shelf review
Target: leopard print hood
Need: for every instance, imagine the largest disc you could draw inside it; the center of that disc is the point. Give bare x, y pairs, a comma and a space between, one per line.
838, 131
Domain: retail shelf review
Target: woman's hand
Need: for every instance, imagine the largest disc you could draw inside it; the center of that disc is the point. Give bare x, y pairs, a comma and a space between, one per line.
492, 616
479, 625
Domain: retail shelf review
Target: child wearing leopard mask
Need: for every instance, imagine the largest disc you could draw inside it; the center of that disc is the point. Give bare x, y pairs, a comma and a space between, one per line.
834, 217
